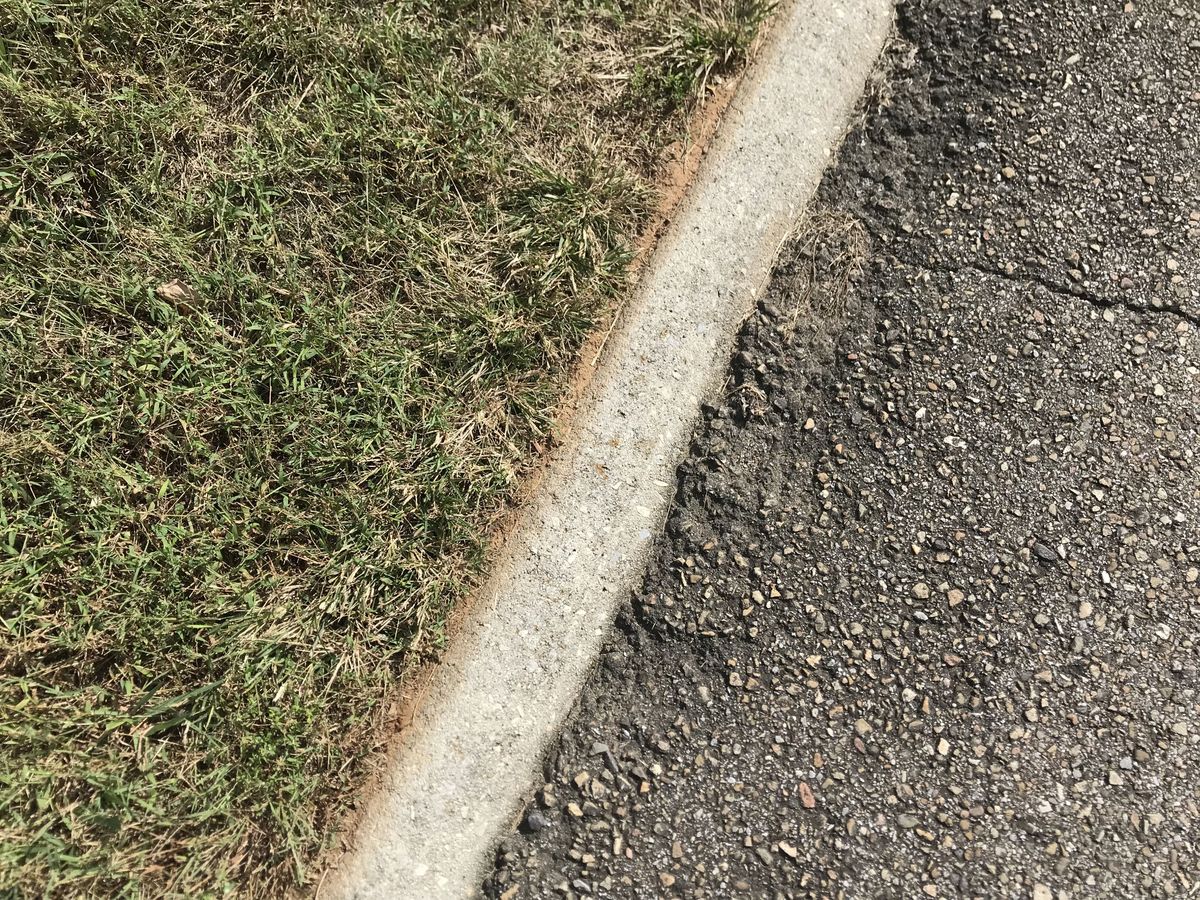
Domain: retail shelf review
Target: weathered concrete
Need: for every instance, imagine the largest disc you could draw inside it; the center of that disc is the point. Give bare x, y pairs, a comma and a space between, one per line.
512, 676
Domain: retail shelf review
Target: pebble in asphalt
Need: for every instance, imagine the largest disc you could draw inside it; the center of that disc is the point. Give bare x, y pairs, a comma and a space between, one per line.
923, 620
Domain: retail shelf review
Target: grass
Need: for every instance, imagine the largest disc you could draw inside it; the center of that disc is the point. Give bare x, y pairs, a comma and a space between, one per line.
288, 294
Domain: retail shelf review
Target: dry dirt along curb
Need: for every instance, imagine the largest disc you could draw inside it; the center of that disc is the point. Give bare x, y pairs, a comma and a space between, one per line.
515, 669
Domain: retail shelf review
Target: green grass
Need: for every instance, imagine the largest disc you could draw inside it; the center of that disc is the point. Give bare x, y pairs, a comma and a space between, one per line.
288, 294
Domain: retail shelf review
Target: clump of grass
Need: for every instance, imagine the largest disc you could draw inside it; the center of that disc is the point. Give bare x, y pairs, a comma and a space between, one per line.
287, 298
693, 50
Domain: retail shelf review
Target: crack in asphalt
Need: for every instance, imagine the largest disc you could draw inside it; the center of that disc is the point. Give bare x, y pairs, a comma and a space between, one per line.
1060, 290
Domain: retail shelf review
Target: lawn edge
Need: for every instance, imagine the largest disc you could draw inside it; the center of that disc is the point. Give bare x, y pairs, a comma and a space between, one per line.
527, 639
679, 172
402, 704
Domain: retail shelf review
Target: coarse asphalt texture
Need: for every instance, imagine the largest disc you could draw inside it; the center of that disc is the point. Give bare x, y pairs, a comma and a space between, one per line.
923, 620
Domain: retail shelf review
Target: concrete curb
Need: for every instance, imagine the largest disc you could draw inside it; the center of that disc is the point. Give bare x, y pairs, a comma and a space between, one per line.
516, 668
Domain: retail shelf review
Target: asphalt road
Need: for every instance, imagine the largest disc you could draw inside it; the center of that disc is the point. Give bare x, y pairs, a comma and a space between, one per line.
923, 620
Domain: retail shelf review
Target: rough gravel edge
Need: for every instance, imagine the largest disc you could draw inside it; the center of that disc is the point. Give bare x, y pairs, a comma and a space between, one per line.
512, 677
